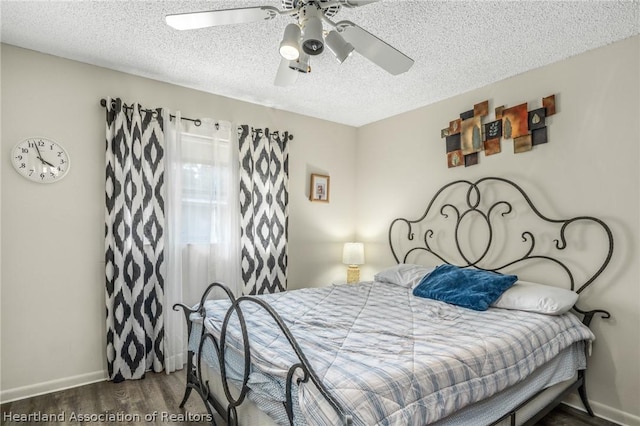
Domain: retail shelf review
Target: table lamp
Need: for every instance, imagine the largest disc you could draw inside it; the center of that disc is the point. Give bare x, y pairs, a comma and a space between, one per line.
353, 255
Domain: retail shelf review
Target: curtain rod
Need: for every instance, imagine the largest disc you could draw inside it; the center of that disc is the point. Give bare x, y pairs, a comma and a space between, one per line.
198, 122
268, 134
195, 121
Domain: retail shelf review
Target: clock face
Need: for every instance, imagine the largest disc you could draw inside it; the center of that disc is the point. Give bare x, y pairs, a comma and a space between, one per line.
40, 160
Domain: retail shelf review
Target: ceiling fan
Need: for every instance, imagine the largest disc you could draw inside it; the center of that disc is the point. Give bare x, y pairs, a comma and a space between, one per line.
307, 36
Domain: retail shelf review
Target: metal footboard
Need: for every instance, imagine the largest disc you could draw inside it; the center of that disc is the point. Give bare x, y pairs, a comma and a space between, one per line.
228, 409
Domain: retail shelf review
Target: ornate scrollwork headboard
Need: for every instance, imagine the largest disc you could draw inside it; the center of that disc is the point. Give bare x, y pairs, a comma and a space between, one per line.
492, 224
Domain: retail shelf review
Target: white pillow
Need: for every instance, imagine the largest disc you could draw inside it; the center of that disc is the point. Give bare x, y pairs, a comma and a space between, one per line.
404, 274
540, 298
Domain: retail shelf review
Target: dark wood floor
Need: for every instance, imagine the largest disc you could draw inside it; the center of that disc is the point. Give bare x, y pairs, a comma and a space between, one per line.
136, 401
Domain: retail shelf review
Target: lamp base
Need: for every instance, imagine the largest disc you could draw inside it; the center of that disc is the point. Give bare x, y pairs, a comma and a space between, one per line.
353, 274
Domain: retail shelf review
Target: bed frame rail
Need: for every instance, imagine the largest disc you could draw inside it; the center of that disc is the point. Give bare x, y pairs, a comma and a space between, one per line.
228, 410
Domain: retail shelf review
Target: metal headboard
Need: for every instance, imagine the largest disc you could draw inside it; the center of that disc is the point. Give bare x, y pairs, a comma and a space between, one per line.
486, 204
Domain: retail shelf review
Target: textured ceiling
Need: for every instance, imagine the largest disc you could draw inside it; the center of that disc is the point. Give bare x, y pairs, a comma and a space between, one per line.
457, 46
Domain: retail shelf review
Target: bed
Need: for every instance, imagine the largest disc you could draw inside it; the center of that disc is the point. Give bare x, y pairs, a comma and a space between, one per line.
451, 335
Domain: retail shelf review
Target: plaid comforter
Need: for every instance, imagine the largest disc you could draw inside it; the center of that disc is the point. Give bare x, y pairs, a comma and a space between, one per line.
391, 358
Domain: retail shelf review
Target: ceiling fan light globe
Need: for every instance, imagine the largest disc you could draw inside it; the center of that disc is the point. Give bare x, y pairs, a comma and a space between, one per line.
301, 64
312, 41
289, 46
338, 46
290, 53
313, 47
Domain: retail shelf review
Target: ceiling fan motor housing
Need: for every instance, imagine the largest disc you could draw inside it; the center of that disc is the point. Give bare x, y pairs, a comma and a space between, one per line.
328, 11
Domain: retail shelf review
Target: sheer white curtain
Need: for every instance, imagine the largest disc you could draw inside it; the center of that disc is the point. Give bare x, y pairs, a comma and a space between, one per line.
203, 220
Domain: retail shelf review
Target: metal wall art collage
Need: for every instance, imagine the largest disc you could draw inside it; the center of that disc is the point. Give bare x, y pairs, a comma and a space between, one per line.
468, 135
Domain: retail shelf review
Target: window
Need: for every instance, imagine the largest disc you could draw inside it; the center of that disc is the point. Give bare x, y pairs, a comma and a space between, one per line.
205, 187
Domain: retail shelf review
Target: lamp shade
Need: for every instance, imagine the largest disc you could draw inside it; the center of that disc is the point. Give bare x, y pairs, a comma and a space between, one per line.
353, 254
290, 41
340, 48
312, 41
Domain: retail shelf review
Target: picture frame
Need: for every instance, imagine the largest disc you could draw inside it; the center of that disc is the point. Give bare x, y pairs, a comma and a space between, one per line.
471, 159
522, 144
455, 158
471, 135
493, 129
453, 142
549, 104
539, 136
537, 118
481, 109
492, 146
319, 188
466, 115
515, 122
454, 127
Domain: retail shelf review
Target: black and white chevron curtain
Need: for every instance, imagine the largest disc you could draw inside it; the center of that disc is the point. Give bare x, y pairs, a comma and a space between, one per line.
134, 240
264, 201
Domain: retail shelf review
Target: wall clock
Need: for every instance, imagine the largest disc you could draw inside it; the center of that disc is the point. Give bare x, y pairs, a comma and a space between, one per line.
40, 160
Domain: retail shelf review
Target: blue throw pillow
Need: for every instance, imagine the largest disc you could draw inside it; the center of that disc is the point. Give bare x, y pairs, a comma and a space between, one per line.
469, 288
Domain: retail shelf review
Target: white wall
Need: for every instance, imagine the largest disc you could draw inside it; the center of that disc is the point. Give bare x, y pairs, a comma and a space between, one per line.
589, 167
53, 302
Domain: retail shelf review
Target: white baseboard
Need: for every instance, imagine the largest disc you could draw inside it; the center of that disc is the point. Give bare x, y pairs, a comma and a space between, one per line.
15, 394
605, 412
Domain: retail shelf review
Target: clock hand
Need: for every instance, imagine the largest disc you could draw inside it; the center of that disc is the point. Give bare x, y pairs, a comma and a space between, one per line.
38, 150
46, 162
39, 156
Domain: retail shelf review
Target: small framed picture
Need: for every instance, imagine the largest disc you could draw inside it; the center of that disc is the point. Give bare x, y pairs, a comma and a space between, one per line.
471, 159
319, 190
455, 158
537, 118
493, 130
454, 127
453, 142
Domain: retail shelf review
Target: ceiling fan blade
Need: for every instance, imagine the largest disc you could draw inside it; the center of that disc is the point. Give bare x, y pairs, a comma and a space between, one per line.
212, 18
374, 49
357, 3
286, 76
